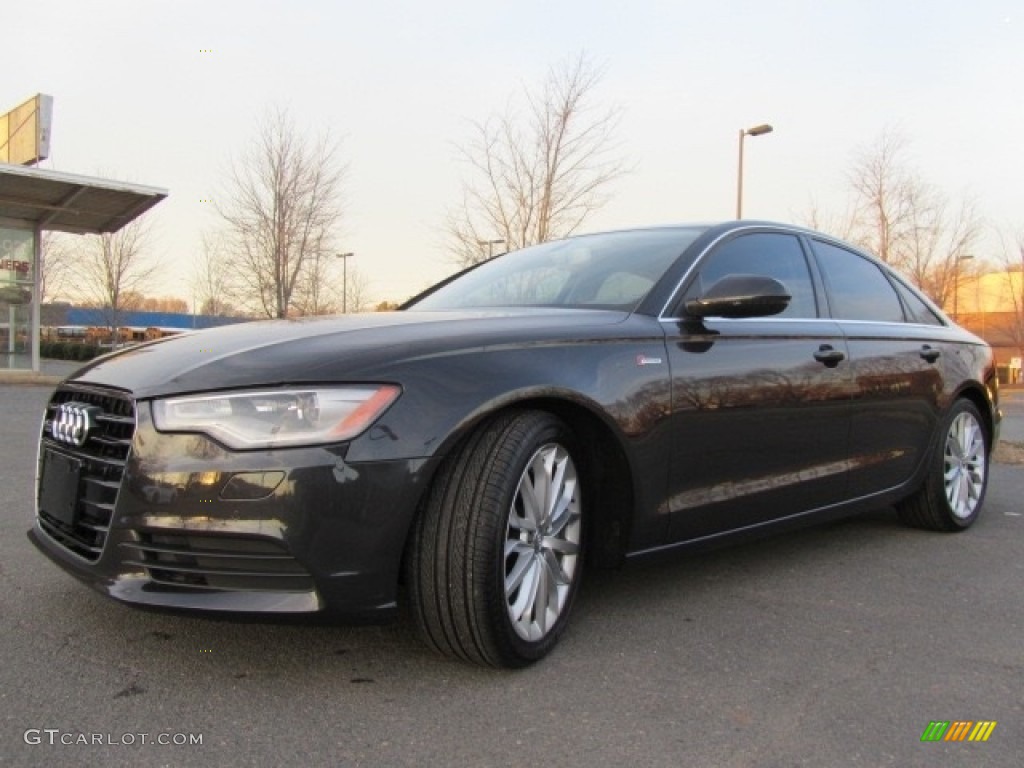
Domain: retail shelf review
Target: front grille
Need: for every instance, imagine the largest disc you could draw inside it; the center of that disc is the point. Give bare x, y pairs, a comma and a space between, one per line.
99, 466
216, 561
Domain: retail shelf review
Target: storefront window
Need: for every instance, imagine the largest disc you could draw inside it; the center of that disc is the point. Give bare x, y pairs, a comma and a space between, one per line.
16, 281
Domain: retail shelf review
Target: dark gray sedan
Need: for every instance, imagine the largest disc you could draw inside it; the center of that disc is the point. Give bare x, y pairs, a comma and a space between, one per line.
568, 405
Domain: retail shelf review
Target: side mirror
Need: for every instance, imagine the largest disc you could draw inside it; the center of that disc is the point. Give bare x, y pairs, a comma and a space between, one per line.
741, 296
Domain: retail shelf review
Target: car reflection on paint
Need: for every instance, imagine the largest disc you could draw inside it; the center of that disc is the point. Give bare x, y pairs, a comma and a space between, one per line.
159, 494
569, 405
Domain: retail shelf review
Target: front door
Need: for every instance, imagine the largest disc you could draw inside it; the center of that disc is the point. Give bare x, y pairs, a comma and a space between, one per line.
760, 407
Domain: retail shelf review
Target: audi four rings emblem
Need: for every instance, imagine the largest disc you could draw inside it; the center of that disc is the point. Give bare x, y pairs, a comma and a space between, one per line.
73, 421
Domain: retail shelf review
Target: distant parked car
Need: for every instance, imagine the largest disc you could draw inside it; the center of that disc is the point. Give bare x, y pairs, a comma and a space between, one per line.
575, 403
14, 295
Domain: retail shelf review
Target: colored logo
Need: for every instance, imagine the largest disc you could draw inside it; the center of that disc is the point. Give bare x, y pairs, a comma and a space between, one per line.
958, 730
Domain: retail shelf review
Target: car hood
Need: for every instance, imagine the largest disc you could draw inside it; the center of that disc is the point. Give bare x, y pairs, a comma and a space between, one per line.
328, 349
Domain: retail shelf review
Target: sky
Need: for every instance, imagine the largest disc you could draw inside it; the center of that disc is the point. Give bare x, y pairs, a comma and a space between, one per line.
166, 92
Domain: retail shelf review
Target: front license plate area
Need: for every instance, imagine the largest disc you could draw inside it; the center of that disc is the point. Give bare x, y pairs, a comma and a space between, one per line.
59, 486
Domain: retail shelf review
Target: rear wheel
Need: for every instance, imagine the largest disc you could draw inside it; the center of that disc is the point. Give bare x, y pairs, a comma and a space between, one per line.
953, 491
497, 552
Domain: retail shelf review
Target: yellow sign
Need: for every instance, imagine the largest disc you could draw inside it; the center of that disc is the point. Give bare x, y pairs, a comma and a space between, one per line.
25, 131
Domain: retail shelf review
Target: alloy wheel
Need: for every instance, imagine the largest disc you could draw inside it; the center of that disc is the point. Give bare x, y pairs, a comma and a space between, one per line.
542, 542
965, 465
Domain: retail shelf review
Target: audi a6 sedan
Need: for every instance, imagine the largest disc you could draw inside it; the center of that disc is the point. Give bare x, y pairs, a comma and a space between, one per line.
569, 405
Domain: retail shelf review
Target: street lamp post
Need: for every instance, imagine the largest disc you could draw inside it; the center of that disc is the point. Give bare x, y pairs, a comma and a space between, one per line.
757, 130
344, 280
490, 246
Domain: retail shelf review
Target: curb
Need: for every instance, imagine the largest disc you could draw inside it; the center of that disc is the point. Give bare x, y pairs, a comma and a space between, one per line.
30, 379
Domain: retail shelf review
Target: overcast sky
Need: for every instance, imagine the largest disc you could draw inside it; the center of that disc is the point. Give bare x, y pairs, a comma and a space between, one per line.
397, 82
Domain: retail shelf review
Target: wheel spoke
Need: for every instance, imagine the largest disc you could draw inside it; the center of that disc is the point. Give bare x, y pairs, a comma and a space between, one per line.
522, 522
562, 546
961, 495
556, 470
515, 577
956, 440
554, 569
527, 595
562, 513
532, 506
518, 546
540, 606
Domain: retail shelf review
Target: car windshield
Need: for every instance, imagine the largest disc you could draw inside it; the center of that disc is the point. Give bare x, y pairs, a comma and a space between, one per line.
605, 271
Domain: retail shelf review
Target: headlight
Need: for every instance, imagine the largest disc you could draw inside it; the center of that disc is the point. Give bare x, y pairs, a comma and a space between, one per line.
276, 418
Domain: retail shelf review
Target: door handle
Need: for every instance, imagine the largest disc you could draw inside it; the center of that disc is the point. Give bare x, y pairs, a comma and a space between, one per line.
930, 353
828, 355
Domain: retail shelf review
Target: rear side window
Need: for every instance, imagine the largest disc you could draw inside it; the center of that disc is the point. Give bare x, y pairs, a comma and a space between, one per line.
770, 254
917, 310
857, 288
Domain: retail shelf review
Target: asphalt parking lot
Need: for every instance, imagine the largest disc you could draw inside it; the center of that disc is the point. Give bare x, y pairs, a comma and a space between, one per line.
834, 646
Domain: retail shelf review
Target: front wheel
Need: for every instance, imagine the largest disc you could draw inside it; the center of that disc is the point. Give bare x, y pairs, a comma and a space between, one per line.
497, 552
953, 490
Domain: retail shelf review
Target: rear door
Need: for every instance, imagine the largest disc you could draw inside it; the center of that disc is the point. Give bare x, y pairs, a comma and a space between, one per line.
898, 350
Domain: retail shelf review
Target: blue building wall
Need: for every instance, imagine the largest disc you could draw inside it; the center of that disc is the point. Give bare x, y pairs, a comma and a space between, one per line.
82, 316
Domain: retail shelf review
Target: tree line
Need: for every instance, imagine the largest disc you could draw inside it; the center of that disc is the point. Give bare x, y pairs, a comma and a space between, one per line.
532, 173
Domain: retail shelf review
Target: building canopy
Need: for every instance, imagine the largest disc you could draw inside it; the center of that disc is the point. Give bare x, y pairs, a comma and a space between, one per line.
67, 202
33, 200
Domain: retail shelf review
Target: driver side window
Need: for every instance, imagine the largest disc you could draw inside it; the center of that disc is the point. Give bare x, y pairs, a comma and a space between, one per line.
769, 254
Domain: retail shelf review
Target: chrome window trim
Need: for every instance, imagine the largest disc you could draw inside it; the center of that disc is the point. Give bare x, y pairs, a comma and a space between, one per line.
895, 323
766, 319
755, 226
810, 235
689, 271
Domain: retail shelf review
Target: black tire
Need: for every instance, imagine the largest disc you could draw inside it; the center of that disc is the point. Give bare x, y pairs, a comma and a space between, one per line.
953, 491
474, 514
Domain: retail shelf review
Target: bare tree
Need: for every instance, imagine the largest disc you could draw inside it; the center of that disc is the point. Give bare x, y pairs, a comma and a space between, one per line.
320, 293
842, 226
280, 212
884, 189
908, 222
939, 243
57, 264
112, 269
210, 281
357, 290
535, 173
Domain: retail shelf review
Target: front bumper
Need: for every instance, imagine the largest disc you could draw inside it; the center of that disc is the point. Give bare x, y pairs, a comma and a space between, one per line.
197, 527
